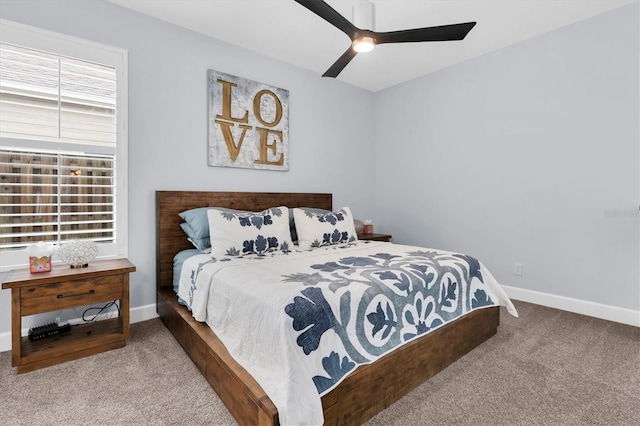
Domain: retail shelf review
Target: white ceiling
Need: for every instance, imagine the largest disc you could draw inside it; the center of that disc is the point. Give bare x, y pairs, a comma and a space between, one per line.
285, 30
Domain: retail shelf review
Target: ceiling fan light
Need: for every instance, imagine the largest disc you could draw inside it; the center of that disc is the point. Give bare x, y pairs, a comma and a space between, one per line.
364, 44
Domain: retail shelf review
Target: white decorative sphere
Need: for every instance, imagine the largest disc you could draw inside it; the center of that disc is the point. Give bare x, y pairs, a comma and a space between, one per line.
78, 253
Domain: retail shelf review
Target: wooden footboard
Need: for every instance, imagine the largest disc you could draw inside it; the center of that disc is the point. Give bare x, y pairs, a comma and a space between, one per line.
366, 392
239, 392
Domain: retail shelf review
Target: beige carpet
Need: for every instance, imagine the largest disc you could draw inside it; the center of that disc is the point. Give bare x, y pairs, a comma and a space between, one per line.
547, 367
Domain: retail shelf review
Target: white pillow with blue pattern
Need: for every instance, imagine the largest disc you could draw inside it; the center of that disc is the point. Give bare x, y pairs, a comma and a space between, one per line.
323, 229
196, 226
235, 234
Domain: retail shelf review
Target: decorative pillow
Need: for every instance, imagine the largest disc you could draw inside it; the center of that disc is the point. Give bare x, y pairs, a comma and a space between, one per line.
196, 225
292, 222
322, 229
237, 234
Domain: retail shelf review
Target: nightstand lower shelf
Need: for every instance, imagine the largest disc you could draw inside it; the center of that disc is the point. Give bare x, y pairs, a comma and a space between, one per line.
82, 340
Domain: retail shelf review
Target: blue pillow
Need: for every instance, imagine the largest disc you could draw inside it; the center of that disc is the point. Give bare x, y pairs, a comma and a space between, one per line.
201, 244
197, 221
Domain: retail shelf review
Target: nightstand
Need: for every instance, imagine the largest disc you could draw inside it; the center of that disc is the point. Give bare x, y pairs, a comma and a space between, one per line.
375, 237
64, 288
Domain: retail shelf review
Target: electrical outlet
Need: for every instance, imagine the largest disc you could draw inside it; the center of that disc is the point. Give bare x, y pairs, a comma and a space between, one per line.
517, 269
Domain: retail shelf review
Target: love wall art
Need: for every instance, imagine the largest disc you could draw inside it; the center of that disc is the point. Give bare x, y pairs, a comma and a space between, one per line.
248, 123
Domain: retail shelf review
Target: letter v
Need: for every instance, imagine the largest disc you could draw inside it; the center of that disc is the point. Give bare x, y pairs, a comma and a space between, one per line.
228, 138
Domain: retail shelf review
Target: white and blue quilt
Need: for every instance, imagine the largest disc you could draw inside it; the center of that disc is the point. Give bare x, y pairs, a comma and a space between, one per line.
300, 322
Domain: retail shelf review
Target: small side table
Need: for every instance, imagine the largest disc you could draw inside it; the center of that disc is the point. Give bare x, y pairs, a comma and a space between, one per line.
65, 288
375, 237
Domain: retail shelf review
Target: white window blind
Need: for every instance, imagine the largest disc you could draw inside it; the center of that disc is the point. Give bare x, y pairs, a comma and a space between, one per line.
55, 197
62, 147
53, 97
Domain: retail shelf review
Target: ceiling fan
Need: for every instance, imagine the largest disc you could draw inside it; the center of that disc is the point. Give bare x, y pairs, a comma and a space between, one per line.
364, 39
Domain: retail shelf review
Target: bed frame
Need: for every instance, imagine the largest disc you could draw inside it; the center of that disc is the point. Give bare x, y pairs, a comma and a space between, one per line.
366, 392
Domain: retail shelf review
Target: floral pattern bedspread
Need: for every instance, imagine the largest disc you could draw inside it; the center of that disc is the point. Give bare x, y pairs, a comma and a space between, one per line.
301, 322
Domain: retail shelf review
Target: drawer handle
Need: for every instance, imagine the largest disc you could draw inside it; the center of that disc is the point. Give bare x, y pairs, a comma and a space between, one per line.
60, 296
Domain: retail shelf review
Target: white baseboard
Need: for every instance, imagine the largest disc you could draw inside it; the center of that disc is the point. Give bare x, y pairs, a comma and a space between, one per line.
584, 307
143, 313
138, 314
5, 341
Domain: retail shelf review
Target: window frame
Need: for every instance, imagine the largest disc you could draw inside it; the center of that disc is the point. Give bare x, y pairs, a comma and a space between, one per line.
85, 50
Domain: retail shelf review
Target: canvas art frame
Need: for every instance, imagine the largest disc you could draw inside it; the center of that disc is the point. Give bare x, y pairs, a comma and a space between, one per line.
248, 123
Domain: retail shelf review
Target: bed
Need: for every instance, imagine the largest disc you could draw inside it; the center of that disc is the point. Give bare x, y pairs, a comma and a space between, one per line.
358, 397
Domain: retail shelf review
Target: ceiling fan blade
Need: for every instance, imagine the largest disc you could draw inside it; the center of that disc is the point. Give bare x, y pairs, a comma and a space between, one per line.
441, 33
339, 65
330, 15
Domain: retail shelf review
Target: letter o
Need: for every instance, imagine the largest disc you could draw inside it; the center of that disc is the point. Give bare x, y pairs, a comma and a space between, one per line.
258, 112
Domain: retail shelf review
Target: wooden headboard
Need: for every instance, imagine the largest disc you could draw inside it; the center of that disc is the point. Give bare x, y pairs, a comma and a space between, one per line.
170, 239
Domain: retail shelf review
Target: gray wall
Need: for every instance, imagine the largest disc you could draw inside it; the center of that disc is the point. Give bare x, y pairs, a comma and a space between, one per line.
330, 122
528, 154
517, 156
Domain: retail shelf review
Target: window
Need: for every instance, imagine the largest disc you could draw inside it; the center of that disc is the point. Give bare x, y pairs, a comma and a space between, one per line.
62, 142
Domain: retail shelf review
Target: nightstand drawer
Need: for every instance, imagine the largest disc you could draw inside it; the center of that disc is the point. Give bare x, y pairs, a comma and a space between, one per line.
68, 294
